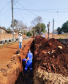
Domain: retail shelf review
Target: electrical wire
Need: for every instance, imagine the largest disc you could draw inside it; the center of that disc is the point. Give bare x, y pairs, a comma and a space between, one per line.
19, 13
4, 6
15, 2
28, 10
44, 11
32, 13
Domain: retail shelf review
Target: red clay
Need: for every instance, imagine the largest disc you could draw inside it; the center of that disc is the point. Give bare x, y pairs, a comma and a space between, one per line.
49, 57
9, 50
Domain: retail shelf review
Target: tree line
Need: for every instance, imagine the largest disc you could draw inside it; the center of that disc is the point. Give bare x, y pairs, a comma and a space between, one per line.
64, 28
37, 27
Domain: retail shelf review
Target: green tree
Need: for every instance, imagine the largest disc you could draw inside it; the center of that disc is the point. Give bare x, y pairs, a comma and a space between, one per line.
8, 29
65, 27
19, 25
43, 28
29, 33
15, 23
59, 30
37, 27
38, 21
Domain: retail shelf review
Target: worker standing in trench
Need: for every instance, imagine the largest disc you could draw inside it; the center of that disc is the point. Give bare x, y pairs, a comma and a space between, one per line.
28, 61
20, 43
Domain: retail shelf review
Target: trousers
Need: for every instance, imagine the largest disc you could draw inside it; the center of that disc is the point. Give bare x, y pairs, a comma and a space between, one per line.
20, 45
28, 64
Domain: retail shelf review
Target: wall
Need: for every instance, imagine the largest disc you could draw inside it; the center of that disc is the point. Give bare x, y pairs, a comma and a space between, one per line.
7, 36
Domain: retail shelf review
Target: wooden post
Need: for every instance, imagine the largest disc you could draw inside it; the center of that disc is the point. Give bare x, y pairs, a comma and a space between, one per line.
48, 25
53, 29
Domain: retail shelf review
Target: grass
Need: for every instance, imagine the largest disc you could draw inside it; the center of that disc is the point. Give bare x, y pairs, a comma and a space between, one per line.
62, 36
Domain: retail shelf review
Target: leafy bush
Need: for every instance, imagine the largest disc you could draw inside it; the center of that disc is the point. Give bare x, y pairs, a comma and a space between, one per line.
61, 38
29, 34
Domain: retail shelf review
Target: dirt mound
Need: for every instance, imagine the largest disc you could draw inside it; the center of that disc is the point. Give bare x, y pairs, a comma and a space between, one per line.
51, 58
55, 42
51, 44
40, 40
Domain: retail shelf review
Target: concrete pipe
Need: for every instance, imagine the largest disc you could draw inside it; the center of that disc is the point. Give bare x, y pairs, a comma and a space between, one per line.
10, 40
1, 43
6, 41
16, 39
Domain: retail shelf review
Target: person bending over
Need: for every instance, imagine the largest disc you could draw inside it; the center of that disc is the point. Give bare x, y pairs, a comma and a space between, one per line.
29, 61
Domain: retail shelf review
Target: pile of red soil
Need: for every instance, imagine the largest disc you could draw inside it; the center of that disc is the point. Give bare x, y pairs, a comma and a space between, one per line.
52, 61
40, 40
50, 45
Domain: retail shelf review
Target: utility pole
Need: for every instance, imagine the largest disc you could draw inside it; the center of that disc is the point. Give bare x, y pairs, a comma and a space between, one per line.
48, 25
33, 32
12, 19
40, 29
53, 29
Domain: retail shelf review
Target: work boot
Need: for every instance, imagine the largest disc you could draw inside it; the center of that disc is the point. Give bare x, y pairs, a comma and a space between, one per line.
25, 71
31, 71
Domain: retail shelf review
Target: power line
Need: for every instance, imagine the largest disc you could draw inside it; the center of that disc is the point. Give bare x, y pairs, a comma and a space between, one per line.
19, 14
43, 11
28, 10
15, 2
47, 9
5, 6
33, 14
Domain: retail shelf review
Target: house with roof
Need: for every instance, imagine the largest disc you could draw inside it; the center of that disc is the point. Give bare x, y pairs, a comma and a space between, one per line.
2, 30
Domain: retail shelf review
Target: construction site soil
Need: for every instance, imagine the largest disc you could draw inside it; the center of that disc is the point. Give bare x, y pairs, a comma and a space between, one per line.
7, 51
48, 55
10, 62
51, 56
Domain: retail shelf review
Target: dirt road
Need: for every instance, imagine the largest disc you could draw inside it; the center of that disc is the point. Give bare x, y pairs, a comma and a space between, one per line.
7, 51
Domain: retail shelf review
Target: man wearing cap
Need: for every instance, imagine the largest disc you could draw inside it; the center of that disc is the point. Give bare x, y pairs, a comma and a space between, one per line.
20, 41
29, 60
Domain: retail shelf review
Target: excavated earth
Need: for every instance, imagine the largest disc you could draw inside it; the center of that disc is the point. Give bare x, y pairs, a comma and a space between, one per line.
50, 62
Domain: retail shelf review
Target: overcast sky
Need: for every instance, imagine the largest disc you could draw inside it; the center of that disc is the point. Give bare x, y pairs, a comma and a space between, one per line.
27, 10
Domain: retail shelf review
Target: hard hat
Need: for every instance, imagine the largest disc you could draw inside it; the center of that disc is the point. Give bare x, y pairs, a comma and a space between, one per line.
21, 34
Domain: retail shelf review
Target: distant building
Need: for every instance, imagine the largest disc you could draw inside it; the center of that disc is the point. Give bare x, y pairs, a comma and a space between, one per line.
11, 32
62, 32
44, 35
55, 32
2, 30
